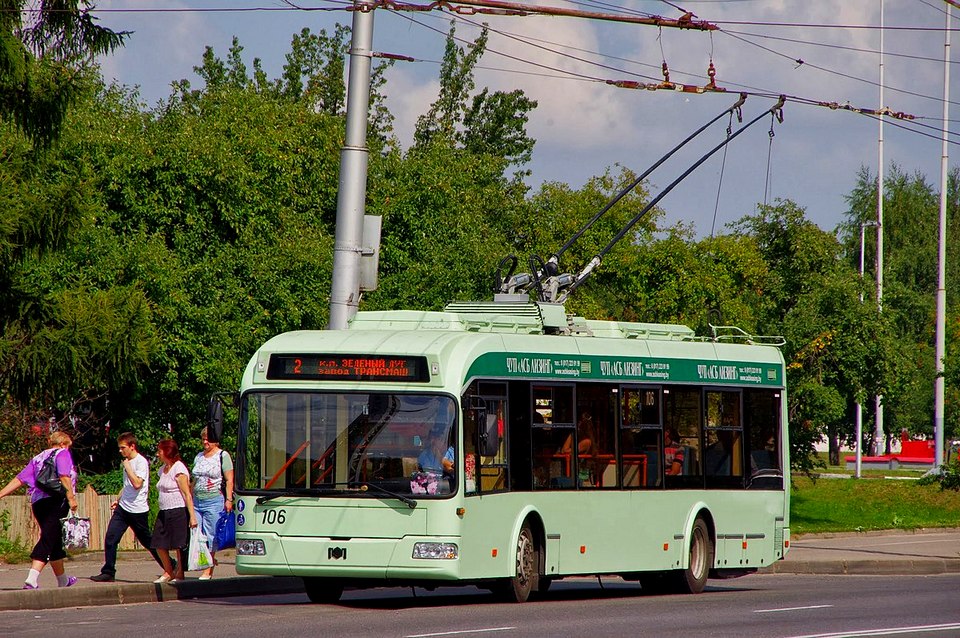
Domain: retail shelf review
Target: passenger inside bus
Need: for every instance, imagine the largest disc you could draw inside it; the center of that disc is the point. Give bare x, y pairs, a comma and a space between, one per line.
672, 452
585, 437
763, 456
586, 445
719, 452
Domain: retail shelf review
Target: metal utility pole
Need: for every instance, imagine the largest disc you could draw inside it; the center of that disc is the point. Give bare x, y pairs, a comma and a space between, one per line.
942, 260
351, 196
859, 414
878, 420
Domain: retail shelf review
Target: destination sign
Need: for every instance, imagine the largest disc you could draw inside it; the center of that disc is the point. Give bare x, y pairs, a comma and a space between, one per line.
348, 367
649, 370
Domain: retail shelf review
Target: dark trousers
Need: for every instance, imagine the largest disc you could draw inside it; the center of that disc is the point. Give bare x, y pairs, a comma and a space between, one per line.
48, 511
120, 522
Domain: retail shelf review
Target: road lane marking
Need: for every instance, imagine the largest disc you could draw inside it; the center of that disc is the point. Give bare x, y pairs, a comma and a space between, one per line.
461, 632
887, 631
770, 611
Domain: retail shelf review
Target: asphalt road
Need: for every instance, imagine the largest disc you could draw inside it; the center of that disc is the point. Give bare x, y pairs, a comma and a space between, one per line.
763, 605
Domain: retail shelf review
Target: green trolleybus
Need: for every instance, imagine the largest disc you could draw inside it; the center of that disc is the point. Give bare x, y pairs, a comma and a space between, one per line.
507, 444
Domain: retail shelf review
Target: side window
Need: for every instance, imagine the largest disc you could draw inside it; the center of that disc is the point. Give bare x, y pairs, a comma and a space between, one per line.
723, 438
762, 423
594, 444
553, 428
682, 458
485, 434
471, 415
641, 437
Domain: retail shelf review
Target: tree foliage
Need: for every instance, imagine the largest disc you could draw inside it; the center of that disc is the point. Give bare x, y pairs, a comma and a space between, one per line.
910, 229
44, 49
488, 124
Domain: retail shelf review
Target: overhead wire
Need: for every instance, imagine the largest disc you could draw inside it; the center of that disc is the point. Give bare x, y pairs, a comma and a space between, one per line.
762, 93
840, 47
339, 5
744, 40
800, 62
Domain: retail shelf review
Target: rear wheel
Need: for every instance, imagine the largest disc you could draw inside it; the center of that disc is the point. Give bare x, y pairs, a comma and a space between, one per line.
694, 578
324, 591
527, 577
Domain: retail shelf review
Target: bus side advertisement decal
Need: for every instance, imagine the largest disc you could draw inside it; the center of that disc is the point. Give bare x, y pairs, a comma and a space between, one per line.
546, 366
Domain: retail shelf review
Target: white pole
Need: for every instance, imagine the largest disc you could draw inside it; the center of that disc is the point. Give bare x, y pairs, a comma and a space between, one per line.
352, 193
859, 414
942, 259
878, 421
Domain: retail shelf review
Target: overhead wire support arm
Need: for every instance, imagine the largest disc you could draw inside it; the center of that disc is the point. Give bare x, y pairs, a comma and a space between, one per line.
735, 108
776, 110
686, 21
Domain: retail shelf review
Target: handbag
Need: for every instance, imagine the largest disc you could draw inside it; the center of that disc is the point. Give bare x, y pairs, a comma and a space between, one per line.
76, 532
199, 554
48, 478
225, 535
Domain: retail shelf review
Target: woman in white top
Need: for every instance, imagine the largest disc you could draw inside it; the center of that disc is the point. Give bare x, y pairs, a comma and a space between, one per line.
176, 516
212, 490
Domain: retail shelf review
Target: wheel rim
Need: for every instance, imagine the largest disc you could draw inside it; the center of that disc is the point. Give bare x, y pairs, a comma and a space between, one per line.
697, 553
524, 558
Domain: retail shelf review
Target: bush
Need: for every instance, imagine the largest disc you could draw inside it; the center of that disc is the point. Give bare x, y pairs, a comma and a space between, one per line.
948, 476
107, 483
11, 550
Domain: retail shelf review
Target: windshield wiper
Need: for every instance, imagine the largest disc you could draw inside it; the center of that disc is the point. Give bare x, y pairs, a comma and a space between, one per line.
361, 486
364, 486
269, 497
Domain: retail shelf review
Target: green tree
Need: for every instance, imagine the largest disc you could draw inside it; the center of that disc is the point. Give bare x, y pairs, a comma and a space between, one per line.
911, 220
492, 124
45, 49
838, 350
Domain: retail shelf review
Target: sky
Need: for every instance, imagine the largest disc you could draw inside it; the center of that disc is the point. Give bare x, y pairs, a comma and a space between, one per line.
812, 51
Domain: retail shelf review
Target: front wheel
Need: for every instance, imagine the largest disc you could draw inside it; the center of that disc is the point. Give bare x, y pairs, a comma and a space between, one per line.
323, 591
527, 578
694, 578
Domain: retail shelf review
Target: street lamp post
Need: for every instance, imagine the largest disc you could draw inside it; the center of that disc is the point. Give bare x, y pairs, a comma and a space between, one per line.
859, 413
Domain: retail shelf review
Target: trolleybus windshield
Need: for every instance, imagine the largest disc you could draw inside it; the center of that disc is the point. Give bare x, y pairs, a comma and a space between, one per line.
357, 444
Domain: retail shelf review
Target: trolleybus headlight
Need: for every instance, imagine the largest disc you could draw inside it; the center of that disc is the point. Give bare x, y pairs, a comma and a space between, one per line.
436, 550
251, 547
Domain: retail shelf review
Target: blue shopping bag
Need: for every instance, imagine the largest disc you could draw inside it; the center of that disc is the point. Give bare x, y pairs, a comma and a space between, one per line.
226, 534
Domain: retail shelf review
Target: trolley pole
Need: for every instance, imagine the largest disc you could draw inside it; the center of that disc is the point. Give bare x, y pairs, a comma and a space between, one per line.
351, 195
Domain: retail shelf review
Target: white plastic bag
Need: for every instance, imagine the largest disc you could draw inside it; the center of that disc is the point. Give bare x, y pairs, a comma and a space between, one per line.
76, 532
199, 553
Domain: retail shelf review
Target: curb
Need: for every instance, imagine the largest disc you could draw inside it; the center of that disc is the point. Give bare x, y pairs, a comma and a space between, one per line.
916, 531
921, 567
130, 593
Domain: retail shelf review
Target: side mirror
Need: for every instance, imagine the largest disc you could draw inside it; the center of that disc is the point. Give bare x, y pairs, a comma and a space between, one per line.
214, 419
215, 413
489, 434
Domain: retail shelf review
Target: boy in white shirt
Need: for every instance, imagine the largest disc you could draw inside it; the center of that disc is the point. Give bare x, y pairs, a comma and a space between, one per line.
130, 509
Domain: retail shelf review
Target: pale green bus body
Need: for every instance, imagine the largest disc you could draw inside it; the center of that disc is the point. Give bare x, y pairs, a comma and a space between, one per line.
608, 528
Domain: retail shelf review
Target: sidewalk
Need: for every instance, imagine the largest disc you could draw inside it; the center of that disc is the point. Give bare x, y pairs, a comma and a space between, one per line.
134, 584
893, 552
889, 552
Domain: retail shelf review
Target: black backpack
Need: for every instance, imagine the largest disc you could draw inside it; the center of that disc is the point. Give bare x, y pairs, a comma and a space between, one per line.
48, 479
